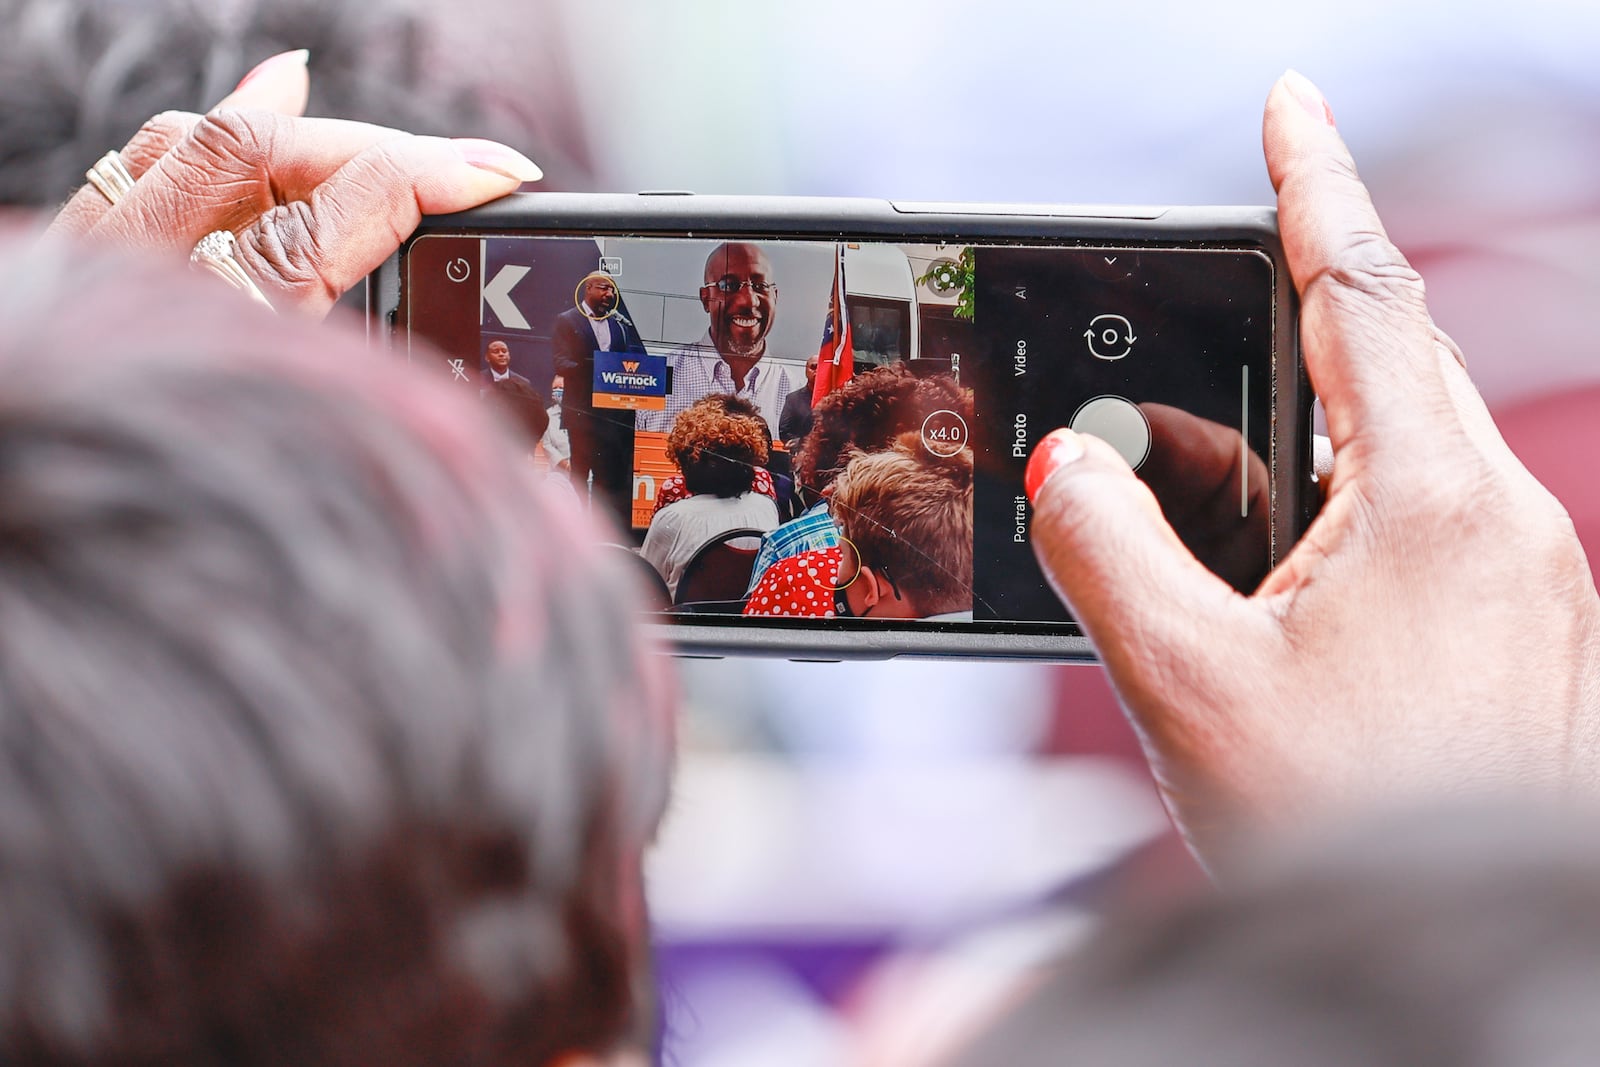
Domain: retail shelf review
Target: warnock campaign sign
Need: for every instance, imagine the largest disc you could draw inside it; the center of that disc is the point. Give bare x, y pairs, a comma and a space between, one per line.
630, 381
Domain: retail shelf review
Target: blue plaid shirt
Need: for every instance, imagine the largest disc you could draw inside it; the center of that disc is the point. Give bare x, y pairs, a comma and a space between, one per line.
811, 532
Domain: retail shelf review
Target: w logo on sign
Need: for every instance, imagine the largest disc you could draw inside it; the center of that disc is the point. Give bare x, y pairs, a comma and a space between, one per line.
630, 365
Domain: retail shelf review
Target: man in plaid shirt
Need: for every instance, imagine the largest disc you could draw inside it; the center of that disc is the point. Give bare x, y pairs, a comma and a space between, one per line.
741, 300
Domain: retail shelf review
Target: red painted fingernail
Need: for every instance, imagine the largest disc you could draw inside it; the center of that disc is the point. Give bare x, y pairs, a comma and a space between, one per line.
299, 56
1308, 96
492, 155
1058, 449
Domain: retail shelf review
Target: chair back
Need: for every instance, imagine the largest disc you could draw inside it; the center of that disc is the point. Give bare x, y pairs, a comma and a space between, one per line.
720, 569
656, 595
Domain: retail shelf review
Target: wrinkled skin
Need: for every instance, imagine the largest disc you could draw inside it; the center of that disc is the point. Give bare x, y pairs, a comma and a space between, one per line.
316, 204
1436, 631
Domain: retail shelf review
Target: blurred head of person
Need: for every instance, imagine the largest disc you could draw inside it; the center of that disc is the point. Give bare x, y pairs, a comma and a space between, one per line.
79, 79
1462, 936
717, 443
309, 753
906, 514
866, 413
521, 403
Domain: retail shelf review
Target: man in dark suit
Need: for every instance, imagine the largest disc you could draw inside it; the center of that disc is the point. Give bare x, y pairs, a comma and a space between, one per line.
795, 421
602, 440
497, 368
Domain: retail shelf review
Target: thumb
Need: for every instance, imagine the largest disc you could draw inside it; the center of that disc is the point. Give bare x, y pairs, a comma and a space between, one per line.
1116, 563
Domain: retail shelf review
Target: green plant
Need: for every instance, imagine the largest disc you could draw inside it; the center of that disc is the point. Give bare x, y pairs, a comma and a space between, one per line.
956, 275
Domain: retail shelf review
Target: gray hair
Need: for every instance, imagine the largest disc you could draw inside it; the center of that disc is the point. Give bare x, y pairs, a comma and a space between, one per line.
79, 77
315, 718
1463, 938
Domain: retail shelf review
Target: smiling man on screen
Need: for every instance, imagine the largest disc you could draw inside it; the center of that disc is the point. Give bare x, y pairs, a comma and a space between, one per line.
741, 300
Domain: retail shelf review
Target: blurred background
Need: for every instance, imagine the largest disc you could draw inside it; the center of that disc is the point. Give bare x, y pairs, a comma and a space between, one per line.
863, 857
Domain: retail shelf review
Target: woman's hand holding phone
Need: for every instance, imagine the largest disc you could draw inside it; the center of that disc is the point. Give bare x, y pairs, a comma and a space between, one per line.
1436, 630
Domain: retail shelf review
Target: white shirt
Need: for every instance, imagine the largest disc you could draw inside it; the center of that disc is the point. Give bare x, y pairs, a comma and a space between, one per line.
601, 328
683, 527
698, 370
556, 445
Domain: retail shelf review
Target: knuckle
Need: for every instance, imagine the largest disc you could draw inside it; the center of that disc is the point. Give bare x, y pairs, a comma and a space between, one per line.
1368, 268
1448, 345
240, 142
154, 139
382, 174
286, 245
1340, 167
1556, 544
379, 177
165, 128
374, 173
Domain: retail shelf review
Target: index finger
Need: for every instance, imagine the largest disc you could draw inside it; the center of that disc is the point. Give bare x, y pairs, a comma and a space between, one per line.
1364, 325
232, 168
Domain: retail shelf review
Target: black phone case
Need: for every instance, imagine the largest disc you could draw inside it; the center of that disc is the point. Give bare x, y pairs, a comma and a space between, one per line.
663, 214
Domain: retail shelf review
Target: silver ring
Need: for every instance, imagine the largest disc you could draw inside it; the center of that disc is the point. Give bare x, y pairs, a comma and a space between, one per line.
110, 177
215, 252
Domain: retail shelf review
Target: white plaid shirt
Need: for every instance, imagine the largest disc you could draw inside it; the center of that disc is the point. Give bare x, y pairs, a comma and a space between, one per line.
698, 370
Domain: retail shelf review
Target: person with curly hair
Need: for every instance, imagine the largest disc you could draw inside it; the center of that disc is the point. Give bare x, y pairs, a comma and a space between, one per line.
673, 488
718, 453
866, 414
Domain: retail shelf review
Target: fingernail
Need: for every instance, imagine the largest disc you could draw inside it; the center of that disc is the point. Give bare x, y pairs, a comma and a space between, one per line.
1308, 95
297, 57
492, 155
1057, 450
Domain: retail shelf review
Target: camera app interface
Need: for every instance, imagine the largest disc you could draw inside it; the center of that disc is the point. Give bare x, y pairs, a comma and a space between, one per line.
799, 429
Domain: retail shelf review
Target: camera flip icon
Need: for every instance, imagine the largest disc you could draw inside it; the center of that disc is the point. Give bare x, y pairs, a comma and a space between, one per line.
1109, 337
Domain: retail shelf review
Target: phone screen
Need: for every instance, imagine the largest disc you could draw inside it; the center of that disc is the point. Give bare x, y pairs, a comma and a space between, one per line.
799, 429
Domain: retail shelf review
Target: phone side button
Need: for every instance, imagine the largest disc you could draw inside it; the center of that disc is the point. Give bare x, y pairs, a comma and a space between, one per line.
666, 192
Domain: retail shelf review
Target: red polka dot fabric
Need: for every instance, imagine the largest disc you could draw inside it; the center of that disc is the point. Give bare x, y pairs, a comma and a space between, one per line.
799, 585
673, 490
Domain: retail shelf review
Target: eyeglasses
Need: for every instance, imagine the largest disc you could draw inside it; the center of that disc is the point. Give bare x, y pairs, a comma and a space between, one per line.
730, 285
841, 603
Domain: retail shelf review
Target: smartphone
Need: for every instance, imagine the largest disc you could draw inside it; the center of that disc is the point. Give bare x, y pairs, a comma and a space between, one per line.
807, 419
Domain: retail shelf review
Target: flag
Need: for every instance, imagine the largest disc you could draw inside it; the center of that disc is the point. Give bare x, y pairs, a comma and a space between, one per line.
836, 360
